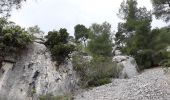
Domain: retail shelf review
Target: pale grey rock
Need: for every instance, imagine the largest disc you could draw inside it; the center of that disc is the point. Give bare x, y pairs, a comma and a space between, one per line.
38, 35
130, 68
152, 84
34, 74
117, 52
168, 48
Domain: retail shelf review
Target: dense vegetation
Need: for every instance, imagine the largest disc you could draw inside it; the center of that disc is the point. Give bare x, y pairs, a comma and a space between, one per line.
161, 9
13, 37
135, 37
94, 64
57, 42
81, 33
95, 72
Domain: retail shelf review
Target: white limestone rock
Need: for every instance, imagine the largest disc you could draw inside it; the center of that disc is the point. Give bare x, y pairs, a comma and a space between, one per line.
35, 74
130, 68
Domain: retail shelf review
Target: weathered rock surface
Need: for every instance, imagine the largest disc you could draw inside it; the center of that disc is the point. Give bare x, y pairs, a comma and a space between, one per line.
152, 84
129, 67
35, 74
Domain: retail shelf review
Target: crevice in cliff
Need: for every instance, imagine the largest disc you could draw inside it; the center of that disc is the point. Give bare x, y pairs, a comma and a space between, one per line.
36, 75
30, 64
32, 85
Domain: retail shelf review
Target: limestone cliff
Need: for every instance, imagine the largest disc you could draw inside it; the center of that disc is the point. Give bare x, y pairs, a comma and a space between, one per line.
33, 73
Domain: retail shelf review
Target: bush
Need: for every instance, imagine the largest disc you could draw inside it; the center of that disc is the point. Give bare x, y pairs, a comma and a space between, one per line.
150, 58
99, 82
96, 71
165, 63
13, 37
144, 59
57, 42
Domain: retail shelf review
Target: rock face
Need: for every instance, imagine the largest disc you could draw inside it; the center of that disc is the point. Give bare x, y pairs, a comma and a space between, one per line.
130, 68
33, 74
152, 84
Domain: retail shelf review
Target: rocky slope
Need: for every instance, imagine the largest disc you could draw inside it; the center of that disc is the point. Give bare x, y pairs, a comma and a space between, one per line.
152, 84
33, 73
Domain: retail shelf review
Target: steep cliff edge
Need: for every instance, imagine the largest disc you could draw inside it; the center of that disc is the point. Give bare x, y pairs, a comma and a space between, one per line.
34, 73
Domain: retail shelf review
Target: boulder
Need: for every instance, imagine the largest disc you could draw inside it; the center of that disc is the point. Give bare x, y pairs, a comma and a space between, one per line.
130, 68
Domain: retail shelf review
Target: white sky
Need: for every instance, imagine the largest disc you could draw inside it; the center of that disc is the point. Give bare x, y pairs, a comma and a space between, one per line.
56, 14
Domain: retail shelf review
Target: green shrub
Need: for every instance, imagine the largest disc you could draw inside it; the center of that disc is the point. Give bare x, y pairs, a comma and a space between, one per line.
144, 59
149, 58
58, 44
99, 82
103, 70
94, 72
165, 63
13, 37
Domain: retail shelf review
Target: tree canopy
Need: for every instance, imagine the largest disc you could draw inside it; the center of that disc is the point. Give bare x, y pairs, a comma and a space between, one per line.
100, 40
133, 16
13, 37
161, 9
7, 5
58, 44
135, 37
81, 33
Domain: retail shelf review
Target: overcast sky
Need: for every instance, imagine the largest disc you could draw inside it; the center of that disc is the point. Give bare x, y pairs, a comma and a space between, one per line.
56, 14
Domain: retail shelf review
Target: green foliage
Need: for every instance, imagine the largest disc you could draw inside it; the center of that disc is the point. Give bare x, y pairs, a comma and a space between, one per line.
81, 33
165, 63
13, 37
135, 19
161, 9
150, 49
120, 36
96, 71
52, 97
128, 9
34, 29
147, 46
100, 40
160, 38
33, 91
99, 82
58, 44
144, 59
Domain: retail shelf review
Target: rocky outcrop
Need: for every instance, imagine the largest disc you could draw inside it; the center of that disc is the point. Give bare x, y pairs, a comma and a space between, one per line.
129, 67
33, 74
152, 84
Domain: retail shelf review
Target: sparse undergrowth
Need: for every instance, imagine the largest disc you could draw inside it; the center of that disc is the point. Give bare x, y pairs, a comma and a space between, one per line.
94, 72
52, 97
